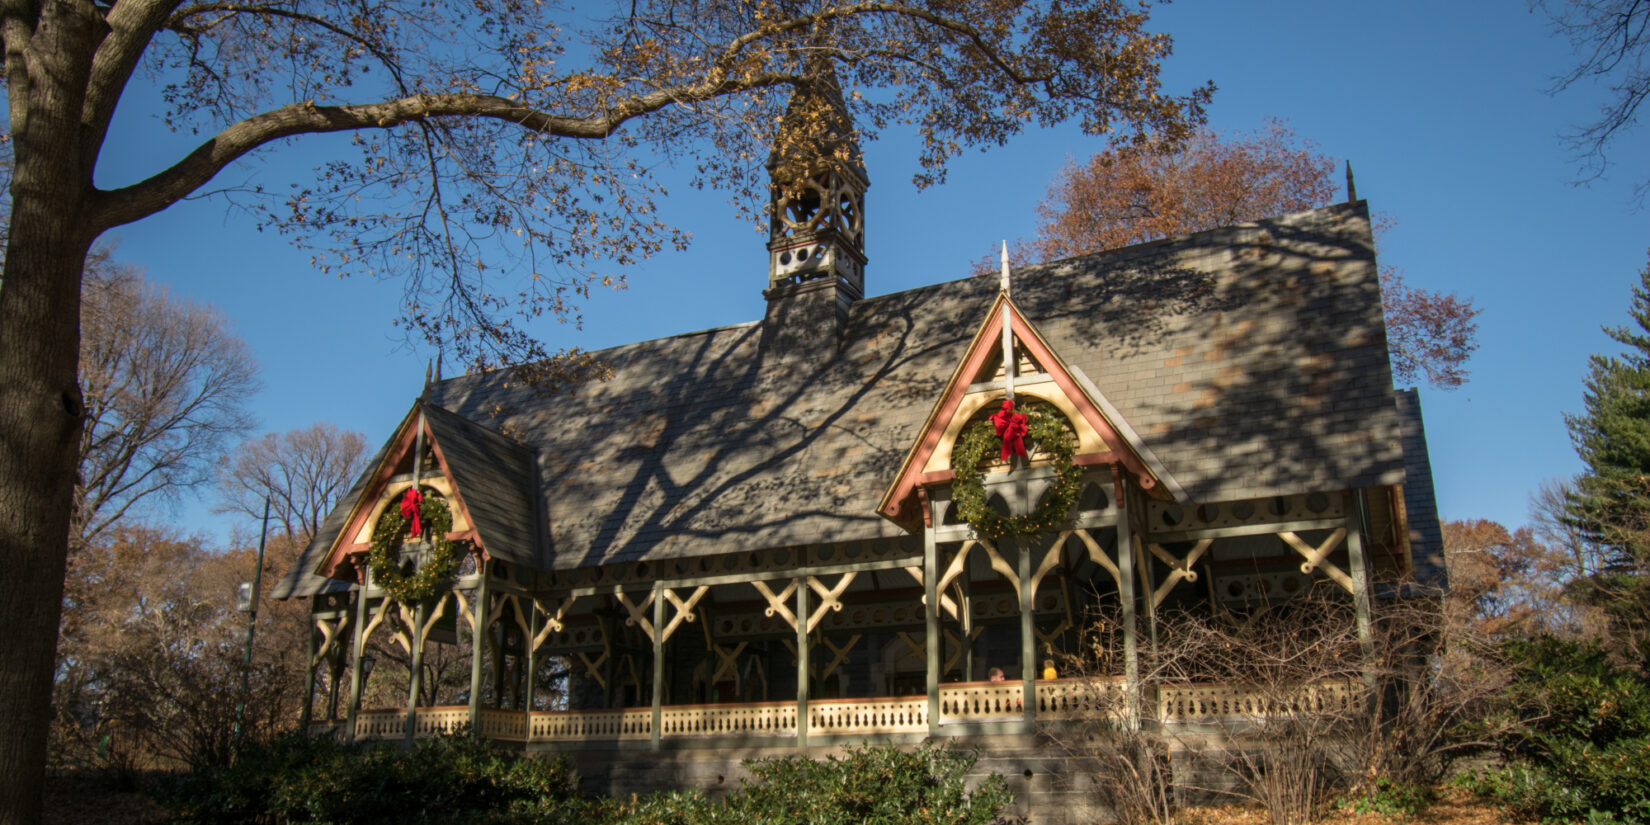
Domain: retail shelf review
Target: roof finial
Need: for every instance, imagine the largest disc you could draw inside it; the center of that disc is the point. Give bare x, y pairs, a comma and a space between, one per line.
438, 366
1005, 268
1351, 188
1008, 334
427, 373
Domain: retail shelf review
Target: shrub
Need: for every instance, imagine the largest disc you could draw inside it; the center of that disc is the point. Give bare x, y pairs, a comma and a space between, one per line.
1390, 798
448, 779
869, 786
463, 780
1578, 736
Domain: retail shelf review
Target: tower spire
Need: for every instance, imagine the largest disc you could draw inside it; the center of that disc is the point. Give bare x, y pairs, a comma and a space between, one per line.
817, 182
816, 229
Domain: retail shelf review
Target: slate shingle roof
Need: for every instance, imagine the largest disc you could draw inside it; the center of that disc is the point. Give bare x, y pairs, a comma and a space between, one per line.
1426, 534
495, 476
1251, 360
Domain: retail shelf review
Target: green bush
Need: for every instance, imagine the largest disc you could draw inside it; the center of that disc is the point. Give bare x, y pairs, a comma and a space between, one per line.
464, 780
1390, 798
449, 779
869, 786
1579, 736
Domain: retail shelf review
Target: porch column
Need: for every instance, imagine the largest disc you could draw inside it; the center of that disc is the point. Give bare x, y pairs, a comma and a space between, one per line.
931, 620
1360, 586
355, 656
478, 635
1028, 636
802, 611
658, 661
416, 669
310, 664
530, 652
1125, 594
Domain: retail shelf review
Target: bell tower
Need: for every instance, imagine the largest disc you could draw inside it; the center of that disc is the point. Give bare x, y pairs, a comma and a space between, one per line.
816, 230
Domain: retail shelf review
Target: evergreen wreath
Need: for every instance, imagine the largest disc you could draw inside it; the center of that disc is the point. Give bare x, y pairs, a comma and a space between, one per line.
381, 559
1046, 428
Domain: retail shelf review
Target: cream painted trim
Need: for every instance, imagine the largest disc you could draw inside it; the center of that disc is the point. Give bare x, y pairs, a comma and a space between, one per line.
1088, 440
440, 484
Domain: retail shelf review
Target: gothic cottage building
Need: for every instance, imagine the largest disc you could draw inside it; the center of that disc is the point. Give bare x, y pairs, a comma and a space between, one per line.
810, 530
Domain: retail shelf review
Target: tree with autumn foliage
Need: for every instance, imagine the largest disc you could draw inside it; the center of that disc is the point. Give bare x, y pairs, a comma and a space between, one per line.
1138, 192
152, 651
501, 152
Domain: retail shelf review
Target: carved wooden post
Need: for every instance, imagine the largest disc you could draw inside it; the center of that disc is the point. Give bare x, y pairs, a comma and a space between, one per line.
931, 619
415, 670
1125, 594
1028, 636
309, 678
478, 635
355, 655
531, 653
658, 661
1360, 587
803, 609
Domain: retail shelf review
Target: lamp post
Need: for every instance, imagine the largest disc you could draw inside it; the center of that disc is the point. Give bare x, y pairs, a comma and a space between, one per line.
247, 601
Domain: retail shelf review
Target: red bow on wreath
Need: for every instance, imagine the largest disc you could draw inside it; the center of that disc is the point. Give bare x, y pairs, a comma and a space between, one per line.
409, 509
1011, 427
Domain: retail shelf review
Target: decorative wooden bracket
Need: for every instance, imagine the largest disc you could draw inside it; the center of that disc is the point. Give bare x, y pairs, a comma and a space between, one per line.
945, 601
778, 604
330, 635
1178, 568
464, 609
594, 667
684, 609
1047, 639
378, 616
1097, 554
919, 651
1051, 557
552, 619
957, 647
638, 612
1318, 557
829, 598
728, 662
411, 629
1003, 568
838, 654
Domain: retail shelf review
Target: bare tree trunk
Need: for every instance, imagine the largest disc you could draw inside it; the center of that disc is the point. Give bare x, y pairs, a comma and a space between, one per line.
40, 402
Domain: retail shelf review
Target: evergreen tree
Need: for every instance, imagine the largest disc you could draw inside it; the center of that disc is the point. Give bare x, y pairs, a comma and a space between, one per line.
1611, 505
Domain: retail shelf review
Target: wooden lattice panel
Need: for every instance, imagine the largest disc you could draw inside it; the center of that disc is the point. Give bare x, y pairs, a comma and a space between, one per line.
1167, 517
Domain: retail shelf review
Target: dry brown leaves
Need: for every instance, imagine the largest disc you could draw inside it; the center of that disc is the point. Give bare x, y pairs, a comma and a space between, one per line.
1454, 807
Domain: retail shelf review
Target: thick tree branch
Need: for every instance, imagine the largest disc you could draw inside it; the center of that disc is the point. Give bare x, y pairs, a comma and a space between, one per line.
131, 24
122, 206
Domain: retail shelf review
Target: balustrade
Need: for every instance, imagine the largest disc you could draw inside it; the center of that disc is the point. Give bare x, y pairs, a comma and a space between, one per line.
752, 719
1057, 700
1192, 702
836, 717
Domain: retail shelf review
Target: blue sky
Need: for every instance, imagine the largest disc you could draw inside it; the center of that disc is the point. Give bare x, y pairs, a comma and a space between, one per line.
1441, 107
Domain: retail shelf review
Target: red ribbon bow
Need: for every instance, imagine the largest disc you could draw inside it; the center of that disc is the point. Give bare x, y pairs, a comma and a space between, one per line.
1011, 427
409, 509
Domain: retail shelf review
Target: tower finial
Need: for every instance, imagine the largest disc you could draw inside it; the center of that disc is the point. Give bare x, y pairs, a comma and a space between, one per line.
1351, 188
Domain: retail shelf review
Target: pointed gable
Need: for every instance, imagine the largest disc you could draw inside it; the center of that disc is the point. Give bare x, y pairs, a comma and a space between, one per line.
486, 477
979, 383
